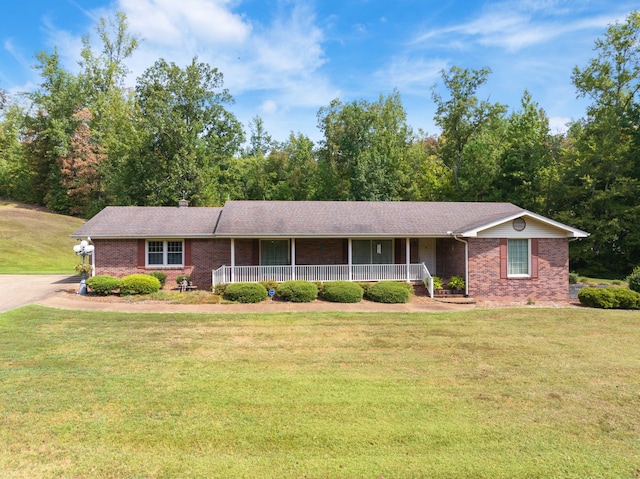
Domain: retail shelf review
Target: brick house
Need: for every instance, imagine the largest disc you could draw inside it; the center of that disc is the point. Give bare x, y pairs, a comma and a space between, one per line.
500, 249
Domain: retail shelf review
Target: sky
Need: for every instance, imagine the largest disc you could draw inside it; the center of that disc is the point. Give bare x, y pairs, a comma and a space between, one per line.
283, 60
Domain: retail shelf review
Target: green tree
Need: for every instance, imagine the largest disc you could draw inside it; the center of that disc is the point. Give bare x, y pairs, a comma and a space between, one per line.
604, 180
186, 134
15, 176
468, 131
364, 152
49, 130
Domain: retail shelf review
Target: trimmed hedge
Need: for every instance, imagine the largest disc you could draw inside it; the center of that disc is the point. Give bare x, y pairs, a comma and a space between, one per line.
342, 292
162, 276
245, 292
139, 284
297, 291
609, 298
389, 292
634, 280
103, 284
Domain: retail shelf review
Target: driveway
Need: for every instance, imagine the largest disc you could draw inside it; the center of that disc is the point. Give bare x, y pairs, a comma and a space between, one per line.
21, 289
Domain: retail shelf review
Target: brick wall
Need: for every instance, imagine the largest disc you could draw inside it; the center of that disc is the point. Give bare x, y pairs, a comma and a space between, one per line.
120, 258
552, 282
449, 258
321, 251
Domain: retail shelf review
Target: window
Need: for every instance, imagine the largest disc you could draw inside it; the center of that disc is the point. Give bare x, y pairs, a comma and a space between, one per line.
274, 252
165, 253
372, 251
518, 257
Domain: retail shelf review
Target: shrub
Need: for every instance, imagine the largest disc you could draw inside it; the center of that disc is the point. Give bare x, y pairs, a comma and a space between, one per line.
574, 278
342, 292
609, 298
364, 286
220, 288
634, 280
103, 284
437, 283
182, 277
139, 284
162, 277
456, 282
246, 292
388, 292
298, 291
270, 284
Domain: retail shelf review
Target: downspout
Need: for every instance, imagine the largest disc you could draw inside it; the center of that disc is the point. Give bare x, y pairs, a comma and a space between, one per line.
466, 262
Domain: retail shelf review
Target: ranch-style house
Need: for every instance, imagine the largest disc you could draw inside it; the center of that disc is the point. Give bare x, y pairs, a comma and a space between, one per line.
500, 249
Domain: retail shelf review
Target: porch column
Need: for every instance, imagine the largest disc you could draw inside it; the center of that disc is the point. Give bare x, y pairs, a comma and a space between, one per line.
233, 260
408, 257
350, 258
293, 258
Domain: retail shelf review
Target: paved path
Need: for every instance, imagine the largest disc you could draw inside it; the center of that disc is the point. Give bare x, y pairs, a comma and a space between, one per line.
21, 289
57, 291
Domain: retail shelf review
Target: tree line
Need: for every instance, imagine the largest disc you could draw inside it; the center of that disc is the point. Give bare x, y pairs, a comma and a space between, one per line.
85, 140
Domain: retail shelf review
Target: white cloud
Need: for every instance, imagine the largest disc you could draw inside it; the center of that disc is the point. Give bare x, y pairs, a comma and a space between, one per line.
16, 54
409, 74
269, 106
559, 124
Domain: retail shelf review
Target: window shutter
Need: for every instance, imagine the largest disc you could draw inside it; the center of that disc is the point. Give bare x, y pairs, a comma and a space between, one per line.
534, 257
503, 259
141, 253
187, 252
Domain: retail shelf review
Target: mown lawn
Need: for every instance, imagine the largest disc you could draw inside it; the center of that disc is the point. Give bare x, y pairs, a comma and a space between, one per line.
35, 241
523, 393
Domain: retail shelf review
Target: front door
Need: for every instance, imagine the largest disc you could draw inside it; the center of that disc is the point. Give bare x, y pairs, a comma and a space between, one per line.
427, 253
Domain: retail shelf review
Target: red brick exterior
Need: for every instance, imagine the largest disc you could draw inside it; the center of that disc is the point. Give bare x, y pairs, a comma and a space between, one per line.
120, 258
551, 284
123, 257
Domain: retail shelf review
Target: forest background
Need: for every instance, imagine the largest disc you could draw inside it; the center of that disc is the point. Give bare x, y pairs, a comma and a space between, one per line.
84, 140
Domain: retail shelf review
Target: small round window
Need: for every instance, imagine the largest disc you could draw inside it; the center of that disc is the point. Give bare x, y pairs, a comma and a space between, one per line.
519, 224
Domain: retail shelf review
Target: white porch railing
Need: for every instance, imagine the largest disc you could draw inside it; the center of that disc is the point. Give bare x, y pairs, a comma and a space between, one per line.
334, 272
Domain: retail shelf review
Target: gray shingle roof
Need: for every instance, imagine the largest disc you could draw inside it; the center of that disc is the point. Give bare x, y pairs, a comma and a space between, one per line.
288, 219
150, 222
355, 218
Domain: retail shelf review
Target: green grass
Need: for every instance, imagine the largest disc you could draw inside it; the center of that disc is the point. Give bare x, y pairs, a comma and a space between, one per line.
526, 393
33, 241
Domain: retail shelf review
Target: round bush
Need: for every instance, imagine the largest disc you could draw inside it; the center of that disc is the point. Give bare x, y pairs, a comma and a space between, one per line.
609, 298
139, 284
246, 292
388, 292
342, 292
162, 276
103, 284
298, 291
634, 280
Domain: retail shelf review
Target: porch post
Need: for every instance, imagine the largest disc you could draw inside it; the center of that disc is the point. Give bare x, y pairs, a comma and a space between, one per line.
350, 258
408, 257
233, 260
293, 258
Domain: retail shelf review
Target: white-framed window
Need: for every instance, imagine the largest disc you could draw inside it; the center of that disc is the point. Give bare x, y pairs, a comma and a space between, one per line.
518, 258
165, 253
372, 251
274, 252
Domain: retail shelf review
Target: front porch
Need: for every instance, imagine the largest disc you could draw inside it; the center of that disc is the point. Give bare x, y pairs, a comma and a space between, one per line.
335, 272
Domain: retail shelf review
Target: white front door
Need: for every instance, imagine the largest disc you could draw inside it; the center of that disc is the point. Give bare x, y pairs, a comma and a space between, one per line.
427, 253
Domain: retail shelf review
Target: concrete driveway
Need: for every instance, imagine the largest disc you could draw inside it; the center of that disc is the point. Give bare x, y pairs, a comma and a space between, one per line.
21, 289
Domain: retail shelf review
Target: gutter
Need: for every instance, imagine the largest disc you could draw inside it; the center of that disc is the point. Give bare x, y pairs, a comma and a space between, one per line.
466, 262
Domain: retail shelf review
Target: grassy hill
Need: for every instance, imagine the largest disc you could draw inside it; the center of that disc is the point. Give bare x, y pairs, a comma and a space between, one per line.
33, 240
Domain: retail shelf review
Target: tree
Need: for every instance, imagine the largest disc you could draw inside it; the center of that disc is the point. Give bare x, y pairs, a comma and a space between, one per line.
605, 176
364, 152
49, 130
186, 135
464, 120
81, 168
526, 158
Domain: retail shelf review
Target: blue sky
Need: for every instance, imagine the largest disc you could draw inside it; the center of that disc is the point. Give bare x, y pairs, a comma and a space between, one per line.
284, 59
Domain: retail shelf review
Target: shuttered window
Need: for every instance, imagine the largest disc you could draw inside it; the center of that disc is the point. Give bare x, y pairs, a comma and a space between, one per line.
165, 253
518, 257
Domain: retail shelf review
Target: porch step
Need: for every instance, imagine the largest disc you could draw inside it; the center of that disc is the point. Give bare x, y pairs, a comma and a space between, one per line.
444, 296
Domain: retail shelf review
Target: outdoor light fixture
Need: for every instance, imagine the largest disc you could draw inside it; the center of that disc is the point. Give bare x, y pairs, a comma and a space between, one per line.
83, 249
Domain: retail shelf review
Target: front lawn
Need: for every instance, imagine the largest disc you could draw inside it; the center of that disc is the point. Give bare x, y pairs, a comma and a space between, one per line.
521, 393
